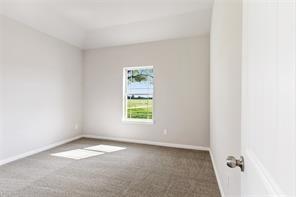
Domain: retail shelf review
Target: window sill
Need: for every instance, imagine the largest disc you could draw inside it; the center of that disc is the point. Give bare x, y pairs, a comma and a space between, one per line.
137, 121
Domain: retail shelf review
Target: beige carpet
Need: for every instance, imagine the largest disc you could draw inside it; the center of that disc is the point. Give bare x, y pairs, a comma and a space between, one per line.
136, 171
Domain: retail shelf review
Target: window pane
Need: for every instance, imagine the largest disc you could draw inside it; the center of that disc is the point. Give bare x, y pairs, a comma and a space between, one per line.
139, 94
139, 107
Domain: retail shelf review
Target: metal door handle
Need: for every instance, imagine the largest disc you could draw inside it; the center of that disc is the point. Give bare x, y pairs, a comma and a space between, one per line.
232, 162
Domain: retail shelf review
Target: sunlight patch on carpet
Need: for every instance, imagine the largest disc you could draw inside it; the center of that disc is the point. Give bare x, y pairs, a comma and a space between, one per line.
77, 154
105, 148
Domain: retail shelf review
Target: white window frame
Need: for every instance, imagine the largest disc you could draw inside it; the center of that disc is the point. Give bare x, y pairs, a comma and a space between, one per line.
124, 97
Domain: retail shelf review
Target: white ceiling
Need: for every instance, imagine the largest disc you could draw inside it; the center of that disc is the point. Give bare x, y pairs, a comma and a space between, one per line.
101, 23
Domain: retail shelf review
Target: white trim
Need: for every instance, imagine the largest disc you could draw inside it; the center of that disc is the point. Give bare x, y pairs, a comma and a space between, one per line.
138, 67
124, 100
269, 182
219, 180
33, 152
138, 121
165, 144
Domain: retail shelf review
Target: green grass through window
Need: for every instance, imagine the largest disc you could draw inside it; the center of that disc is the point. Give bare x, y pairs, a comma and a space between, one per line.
139, 108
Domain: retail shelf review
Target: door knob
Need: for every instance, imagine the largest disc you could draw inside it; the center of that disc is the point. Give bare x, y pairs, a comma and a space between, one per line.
232, 162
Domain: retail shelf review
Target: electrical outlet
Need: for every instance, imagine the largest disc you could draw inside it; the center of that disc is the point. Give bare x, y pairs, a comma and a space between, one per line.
76, 126
165, 132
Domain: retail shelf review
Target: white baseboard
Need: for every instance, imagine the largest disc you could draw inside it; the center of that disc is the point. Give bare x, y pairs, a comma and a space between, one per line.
217, 175
165, 144
32, 152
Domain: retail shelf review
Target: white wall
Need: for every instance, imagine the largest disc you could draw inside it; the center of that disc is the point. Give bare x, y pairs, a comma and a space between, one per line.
41, 89
226, 52
181, 91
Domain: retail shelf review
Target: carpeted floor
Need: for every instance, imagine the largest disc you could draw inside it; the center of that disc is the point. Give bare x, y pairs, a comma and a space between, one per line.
137, 171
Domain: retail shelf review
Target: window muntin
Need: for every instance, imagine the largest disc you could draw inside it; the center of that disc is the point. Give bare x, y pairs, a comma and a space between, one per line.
138, 94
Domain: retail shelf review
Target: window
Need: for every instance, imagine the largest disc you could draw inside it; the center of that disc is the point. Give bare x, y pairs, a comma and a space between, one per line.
138, 94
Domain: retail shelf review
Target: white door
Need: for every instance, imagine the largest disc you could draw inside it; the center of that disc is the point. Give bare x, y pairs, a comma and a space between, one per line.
268, 98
